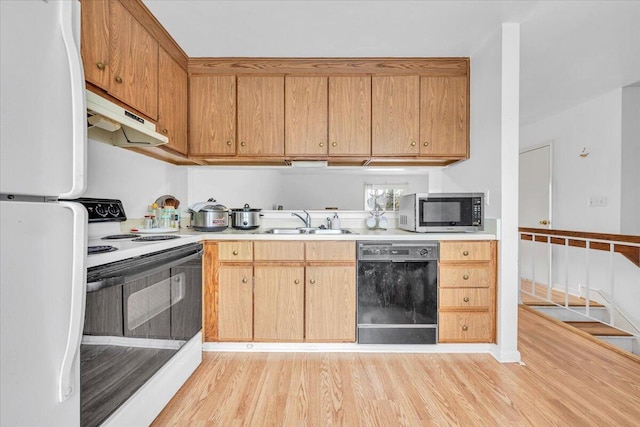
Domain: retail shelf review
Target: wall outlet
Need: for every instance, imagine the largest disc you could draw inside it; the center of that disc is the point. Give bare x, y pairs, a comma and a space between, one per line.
597, 202
486, 198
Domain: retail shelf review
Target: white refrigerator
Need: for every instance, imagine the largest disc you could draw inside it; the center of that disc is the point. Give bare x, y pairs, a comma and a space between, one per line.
43, 240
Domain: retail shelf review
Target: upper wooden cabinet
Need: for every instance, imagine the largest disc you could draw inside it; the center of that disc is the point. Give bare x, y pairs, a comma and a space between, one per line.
96, 42
395, 115
444, 104
212, 117
306, 116
172, 102
260, 116
350, 116
134, 62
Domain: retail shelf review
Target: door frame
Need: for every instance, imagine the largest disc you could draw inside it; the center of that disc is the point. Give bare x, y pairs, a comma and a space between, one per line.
535, 147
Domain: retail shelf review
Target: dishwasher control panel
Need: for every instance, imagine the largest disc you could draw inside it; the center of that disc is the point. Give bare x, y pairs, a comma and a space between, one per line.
398, 251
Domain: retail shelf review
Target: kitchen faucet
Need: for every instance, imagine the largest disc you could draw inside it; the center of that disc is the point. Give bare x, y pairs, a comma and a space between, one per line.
307, 221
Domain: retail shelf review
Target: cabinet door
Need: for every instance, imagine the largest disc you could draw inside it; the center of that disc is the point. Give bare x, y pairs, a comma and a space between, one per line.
350, 116
261, 116
172, 102
95, 42
278, 303
395, 115
212, 115
134, 62
443, 116
306, 116
330, 304
235, 304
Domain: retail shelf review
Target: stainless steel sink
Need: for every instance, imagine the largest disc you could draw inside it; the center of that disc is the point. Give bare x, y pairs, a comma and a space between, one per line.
330, 231
307, 231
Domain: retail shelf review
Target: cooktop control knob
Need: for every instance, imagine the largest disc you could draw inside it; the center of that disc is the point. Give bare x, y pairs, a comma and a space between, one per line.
114, 210
424, 252
100, 210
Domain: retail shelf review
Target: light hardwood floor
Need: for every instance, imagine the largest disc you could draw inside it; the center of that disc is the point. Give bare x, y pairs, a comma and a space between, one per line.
566, 381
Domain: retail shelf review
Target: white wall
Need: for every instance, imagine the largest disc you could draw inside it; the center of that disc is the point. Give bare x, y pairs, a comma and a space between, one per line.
481, 172
137, 180
630, 192
596, 127
294, 189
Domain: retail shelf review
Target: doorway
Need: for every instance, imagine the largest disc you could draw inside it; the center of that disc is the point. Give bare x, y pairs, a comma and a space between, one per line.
535, 188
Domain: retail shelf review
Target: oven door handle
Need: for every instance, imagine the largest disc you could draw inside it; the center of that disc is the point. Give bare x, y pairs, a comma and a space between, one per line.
137, 272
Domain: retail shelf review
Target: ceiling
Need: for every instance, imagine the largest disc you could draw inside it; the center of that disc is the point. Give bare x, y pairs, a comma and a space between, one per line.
571, 51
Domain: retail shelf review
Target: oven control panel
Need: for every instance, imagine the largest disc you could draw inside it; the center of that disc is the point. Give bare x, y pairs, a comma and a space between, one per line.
103, 210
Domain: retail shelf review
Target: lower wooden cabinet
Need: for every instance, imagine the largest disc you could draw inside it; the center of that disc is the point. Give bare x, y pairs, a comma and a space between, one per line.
330, 304
235, 303
278, 303
466, 292
278, 291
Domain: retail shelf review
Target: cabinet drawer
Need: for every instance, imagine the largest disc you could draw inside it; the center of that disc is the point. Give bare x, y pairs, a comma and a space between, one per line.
466, 251
235, 251
279, 251
462, 276
331, 251
453, 298
465, 327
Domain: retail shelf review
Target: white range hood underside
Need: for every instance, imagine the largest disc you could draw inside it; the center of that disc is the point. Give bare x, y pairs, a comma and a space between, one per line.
112, 124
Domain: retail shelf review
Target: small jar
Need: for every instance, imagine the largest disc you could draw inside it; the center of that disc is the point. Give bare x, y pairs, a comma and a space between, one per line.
148, 221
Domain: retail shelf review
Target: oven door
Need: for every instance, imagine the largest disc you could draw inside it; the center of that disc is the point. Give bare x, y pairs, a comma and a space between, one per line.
139, 313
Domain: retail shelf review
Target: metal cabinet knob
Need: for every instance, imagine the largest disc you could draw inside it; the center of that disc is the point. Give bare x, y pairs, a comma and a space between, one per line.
464, 328
321, 144
334, 144
235, 252
245, 280
118, 79
100, 65
426, 143
296, 281
465, 299
243, 143
465, 277
465, 253
413, 143
544, 222
165, 131
228, 142
312, 281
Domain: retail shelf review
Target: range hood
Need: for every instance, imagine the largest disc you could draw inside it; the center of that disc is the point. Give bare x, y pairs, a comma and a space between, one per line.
110, 123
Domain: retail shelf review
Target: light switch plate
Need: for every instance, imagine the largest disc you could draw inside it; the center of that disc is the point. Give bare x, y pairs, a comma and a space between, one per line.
597, 202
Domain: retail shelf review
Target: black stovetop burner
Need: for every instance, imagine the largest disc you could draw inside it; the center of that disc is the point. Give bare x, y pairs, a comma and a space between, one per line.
91, 250
155, 238
120, 236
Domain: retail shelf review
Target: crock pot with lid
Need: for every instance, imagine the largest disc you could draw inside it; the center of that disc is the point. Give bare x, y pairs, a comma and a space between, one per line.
245, 218
209, 216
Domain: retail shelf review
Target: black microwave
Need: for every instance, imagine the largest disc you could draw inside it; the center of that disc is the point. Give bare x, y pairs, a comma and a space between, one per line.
442, 212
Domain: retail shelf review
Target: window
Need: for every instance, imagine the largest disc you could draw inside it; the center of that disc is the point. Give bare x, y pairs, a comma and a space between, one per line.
383, 197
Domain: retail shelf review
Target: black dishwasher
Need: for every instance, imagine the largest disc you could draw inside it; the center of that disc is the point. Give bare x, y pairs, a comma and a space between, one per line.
397, 292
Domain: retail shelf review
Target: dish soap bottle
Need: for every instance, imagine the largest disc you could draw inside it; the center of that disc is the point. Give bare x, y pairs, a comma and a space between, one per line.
335, 222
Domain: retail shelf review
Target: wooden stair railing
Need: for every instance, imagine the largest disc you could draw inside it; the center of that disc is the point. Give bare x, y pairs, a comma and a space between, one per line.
580, 239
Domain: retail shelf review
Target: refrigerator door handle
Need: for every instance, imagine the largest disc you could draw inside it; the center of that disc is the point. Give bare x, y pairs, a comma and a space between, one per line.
67, 378
69, 14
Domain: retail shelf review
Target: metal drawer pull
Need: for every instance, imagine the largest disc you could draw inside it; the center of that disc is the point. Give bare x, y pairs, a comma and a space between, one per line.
235, 252
464, 328
312, 281
100, 65
465, 253
465, 277
465, 299
296, 281
244, 280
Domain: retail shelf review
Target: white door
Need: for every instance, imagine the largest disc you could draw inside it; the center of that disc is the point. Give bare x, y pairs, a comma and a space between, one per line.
42, 116
42, 312
535, 187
